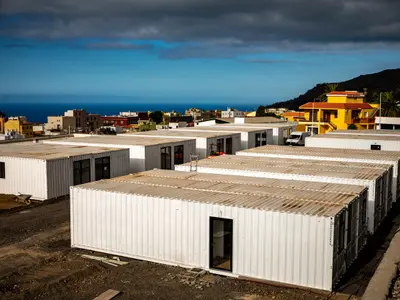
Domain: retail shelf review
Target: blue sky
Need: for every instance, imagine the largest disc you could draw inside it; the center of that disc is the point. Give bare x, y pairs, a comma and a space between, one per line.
50, 50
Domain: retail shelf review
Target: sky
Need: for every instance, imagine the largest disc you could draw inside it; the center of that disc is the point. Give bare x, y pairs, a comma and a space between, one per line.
255, 49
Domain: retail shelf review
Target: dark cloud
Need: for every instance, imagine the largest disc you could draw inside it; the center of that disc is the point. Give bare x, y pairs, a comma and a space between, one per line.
118, 46
257, 25
18, 46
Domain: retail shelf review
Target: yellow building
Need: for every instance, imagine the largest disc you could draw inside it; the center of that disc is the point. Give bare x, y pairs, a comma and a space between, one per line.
2, 123
293, 116
343, 110
19, 125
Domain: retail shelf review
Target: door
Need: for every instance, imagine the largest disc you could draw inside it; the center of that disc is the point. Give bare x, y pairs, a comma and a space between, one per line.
229, 146
327, 116
178, 155
166, 158
102, 168
221, 244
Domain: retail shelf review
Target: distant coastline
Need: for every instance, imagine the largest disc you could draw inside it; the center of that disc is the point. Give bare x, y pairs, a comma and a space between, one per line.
37, 108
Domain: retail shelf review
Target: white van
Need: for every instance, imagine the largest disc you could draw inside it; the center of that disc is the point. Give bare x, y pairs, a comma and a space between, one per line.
297, 138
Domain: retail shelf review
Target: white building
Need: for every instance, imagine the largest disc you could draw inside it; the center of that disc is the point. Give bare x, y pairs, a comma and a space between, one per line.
305, 239
377, 178
231, 113
250, 137
329, 154
47, 171
206, 142
382, 142
145, 153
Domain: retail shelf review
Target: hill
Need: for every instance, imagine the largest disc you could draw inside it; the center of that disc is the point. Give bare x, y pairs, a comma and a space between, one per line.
387, 80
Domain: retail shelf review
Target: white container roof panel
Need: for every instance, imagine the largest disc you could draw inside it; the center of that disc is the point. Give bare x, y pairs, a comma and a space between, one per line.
325, 207
184, 134
326, 152
265, 183
367, 132
222, 129
133, 140
49, 151
293, 166
357, 137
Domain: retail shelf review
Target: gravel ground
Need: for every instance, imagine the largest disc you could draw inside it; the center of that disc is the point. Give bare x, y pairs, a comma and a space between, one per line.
396, 290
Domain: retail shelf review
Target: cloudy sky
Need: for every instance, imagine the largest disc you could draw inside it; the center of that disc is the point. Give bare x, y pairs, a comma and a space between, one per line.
248, 49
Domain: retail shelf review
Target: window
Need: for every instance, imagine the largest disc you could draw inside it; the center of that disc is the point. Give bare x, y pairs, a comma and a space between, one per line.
364, 212
375, 147
81, 171
221, 244
229, 149
264, 139
366, 115
220, 145
258, 139
349, 219
342, 231
102, 168
2, 170
166, 158
178, 155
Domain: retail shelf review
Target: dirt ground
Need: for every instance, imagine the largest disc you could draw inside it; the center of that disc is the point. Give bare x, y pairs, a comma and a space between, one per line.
36, 262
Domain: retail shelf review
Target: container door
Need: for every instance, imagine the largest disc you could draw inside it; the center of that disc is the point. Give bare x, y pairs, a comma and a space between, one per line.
221, 244
229, 146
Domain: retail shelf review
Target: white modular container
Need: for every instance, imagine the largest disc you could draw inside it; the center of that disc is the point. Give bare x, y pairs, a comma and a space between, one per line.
145, 153
329, 154
350, 141
250, 137
47, 171
291, 240
375, 177
280, 131
371, 132
206, 142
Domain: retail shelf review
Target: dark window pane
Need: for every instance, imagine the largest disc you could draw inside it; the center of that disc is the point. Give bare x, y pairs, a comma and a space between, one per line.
220, 145
2, 170
221, 244
264, 139
178, 155
229, 149
166, 158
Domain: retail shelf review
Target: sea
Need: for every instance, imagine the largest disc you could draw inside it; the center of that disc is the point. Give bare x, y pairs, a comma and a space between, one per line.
37, 107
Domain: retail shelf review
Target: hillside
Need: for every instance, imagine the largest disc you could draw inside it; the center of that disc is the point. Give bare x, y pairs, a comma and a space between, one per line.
387, 80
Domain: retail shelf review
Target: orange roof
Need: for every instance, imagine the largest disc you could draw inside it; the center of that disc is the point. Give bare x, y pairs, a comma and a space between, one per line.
293, 114
346, 93
327, 105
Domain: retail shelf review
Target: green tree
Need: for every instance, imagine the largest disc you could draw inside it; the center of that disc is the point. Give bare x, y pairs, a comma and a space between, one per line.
260, 111
329, 87
352, 127
157, 116
390, 104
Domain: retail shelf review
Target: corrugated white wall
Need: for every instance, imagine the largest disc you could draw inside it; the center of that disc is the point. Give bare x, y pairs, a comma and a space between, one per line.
374, 188
311, 156
60, 171
294, 249
26, 176
339, 143
153, 154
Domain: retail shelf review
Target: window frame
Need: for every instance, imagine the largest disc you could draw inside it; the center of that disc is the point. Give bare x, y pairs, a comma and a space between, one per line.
179, 149
166, 158
81, 168
102, 161
2, 170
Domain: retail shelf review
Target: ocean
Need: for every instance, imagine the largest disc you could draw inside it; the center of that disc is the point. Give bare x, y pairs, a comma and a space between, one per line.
36, 108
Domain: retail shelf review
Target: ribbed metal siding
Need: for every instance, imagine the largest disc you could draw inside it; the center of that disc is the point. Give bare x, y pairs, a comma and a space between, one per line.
26, 176
294, 249
373, 214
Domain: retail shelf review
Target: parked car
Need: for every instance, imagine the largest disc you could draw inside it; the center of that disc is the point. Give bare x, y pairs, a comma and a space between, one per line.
297, 138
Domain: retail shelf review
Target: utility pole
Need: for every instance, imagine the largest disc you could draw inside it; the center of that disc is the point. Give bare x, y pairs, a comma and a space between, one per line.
312, 118
380, 110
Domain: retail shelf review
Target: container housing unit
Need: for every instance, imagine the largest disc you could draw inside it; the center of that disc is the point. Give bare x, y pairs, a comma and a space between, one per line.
207, 143
329, 154
382, 132
304, 239
144, 153
280, 131
47, 171
350, 141
374, 176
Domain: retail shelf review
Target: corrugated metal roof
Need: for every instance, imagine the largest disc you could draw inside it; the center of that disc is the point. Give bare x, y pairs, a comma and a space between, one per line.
327, 152
294, 167
184, 134
49, 151
357, 137
132, 140
266, 183
222, 129
321, 204
366, 132
259, 125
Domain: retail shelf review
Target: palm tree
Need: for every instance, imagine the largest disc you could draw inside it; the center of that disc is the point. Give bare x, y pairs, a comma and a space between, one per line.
390, 104
329, 88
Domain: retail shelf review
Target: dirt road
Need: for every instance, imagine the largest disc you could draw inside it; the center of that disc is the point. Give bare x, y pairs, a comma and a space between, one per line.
36, 262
